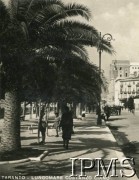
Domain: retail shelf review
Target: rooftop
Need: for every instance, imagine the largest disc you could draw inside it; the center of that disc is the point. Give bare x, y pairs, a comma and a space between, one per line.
134, 63
128, 79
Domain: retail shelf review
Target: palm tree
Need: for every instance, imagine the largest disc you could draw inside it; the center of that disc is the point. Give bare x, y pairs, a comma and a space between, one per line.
29, 27
78, 81
10, 64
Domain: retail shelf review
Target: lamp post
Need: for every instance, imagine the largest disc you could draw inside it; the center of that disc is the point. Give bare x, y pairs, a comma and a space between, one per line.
107, 37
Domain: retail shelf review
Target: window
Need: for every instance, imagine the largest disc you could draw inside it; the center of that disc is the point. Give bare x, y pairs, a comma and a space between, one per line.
120, 68
129, 89
132, 67
125, 74
120, 75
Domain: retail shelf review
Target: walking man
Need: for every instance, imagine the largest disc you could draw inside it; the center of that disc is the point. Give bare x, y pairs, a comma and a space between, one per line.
67, 125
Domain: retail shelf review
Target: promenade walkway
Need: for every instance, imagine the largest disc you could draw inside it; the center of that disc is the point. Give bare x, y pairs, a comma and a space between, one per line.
88, 141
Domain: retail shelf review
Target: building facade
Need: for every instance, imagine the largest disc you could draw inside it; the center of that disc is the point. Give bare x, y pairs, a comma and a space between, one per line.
124, 81
119, 68
125, 88
134, 69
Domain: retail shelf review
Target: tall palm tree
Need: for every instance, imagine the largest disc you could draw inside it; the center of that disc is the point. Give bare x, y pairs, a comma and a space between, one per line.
29, 27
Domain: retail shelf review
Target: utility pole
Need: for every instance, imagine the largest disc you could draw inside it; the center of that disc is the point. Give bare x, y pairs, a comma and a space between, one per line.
107, 37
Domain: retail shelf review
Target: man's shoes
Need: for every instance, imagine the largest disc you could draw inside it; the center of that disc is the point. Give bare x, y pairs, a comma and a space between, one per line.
57, 136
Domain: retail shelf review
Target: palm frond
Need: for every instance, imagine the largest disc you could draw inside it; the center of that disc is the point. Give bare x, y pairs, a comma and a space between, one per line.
45, 15
80, 50
108, 49
70, 32
106, 46
29, 9
65, 52
73, 49
75, 26
70, 11
42, 10
29, 6
4, 17
77, 9
13, 8
109, 46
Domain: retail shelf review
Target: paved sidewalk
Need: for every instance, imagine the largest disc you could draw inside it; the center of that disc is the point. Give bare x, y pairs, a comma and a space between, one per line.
89, 141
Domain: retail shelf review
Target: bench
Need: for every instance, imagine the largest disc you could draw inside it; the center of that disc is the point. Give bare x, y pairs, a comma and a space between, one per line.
32, 127
22, 117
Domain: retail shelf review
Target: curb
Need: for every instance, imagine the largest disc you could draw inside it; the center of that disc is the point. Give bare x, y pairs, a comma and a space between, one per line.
14, 161
120, 154
39, 158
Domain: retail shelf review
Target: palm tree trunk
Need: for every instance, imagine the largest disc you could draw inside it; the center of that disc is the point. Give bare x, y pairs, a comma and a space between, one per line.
10, 139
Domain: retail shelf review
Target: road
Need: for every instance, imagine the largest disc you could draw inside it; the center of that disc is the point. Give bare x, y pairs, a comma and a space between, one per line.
125, 129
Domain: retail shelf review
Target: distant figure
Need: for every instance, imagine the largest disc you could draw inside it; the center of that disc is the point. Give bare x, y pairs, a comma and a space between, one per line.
107, 111
67, 125
43, 131
119, 110
57, 123
42, 126
131, 105
133, 109
83, 115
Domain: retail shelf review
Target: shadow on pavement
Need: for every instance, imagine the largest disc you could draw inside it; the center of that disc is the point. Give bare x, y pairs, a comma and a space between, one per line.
84, 143
27, 138
115, 118
58, 162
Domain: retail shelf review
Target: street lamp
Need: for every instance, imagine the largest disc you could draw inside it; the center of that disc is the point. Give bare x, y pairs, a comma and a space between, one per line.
107, 37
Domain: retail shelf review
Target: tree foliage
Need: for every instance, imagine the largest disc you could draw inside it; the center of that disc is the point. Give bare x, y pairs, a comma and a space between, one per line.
36, 37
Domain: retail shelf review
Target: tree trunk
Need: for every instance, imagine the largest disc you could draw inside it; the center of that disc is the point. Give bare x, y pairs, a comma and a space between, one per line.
31, 110
74, 110
24, 108
79, 109
10, 139
59, 107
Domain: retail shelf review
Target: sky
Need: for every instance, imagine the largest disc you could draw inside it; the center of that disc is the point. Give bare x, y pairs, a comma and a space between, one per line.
120, 18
